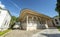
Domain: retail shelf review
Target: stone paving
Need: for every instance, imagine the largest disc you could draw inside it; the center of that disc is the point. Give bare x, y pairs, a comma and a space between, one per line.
48, 33
38, 33
21, 33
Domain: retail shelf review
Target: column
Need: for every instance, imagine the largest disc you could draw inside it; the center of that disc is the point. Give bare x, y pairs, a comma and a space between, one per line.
27, 23
27, 20
32, 19
46, 25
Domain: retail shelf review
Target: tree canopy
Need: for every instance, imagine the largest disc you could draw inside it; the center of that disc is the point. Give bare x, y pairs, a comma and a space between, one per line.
13, 20
58, 7
0, 8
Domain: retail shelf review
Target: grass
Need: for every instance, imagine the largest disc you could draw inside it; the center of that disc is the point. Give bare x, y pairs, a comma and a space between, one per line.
3, 32
58, 27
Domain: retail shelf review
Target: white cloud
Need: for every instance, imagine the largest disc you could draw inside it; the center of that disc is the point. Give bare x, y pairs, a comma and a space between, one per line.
1, 5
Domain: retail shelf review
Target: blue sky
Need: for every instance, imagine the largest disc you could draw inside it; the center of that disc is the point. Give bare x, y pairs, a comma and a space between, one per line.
46, 7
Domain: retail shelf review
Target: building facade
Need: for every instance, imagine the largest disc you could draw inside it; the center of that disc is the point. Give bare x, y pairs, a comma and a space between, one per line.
56, 21
31, 20
4, 19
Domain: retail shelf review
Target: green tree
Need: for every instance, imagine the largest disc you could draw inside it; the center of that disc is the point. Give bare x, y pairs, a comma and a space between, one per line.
13, 20
17, 19
58, 7
0, 8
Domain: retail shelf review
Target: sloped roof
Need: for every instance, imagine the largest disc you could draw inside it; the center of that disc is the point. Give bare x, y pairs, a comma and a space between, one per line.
25, 11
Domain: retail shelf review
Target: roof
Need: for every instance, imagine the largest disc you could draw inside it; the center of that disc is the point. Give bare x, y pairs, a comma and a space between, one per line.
56, 17
6, 10
25, 11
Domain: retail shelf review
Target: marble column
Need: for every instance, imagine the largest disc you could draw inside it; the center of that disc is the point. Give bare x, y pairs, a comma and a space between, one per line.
46, 25
27, 23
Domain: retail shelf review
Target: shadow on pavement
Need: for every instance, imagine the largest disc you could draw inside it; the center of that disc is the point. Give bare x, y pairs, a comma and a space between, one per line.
51, 35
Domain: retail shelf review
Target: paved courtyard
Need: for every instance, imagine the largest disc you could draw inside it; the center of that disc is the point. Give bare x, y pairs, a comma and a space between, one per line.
48, 33
38, 33
21, 33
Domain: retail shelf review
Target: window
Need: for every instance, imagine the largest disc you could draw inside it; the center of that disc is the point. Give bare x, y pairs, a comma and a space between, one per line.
59, 19
57, 23
5, 22
55, 19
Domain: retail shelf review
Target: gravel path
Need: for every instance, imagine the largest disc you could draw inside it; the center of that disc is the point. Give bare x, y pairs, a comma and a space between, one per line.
48, 33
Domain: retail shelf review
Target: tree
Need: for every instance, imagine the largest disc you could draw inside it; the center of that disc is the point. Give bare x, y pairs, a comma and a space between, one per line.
13, 20
58, 7
0, 8
17, 19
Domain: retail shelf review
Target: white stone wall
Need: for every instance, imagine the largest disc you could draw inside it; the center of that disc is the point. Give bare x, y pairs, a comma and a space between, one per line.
4, 20
31, 26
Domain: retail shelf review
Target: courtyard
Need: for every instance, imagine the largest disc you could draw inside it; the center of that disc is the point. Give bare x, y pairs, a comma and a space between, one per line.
37, 33
21, 33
